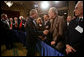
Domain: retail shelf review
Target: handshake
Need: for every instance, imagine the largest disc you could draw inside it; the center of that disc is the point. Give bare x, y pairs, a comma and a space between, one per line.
45, 32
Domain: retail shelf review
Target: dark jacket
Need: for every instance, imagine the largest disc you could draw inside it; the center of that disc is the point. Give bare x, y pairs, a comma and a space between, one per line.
4, 32
32, 36
47, 25
75, 38
32, 32
21, 28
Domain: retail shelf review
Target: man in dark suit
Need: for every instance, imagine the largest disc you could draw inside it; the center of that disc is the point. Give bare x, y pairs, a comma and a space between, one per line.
4, 19
6, 34
4, 29
68, 20
33, 33
74, 40
46, 22
16, 23
21, 22
46, 25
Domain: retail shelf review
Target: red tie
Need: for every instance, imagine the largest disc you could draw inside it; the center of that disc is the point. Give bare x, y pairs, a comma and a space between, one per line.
11, 25
20, 24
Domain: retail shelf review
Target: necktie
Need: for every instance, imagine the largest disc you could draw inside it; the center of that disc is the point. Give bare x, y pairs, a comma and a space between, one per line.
11, 25
20, 25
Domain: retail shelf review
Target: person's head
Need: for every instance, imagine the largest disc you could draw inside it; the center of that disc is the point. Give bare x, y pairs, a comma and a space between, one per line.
15, 18
21, 17
39, 21
11, 19
4, 16
46, 17
16, 21
34, 13
69, 18
52, 12
79, 9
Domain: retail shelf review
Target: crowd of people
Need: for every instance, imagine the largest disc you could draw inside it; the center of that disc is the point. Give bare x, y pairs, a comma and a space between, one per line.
14, 23
65, 36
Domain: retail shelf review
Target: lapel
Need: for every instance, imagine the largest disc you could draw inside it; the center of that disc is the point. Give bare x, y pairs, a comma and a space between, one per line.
55, 24
32, 23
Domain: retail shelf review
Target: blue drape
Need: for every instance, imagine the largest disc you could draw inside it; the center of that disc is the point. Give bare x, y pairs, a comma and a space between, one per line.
43, 48
47, 50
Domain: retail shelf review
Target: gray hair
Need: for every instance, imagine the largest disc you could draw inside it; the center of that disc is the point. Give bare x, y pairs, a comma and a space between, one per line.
33, 11
54, 10
3, 15
80, 2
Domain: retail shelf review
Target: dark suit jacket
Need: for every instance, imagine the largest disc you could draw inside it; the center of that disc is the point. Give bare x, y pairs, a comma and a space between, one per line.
40, 28
75, 38
23, 22
32, 32
6, 35
4, 31
47, 24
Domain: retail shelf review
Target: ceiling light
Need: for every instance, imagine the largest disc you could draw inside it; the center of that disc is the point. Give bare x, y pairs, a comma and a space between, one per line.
56, 1
45, 5
9, 3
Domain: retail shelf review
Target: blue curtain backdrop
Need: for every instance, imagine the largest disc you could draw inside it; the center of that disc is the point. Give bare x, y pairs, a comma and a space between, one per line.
43, 48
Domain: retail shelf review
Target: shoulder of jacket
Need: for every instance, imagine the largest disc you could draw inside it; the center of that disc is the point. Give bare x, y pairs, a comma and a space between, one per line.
61, 17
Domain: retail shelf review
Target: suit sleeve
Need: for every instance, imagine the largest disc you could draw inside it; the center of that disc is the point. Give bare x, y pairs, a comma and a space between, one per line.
67, 34
33, 31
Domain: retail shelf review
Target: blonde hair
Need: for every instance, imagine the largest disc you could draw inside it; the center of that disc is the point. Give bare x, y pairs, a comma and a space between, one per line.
80, 2
37, 20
